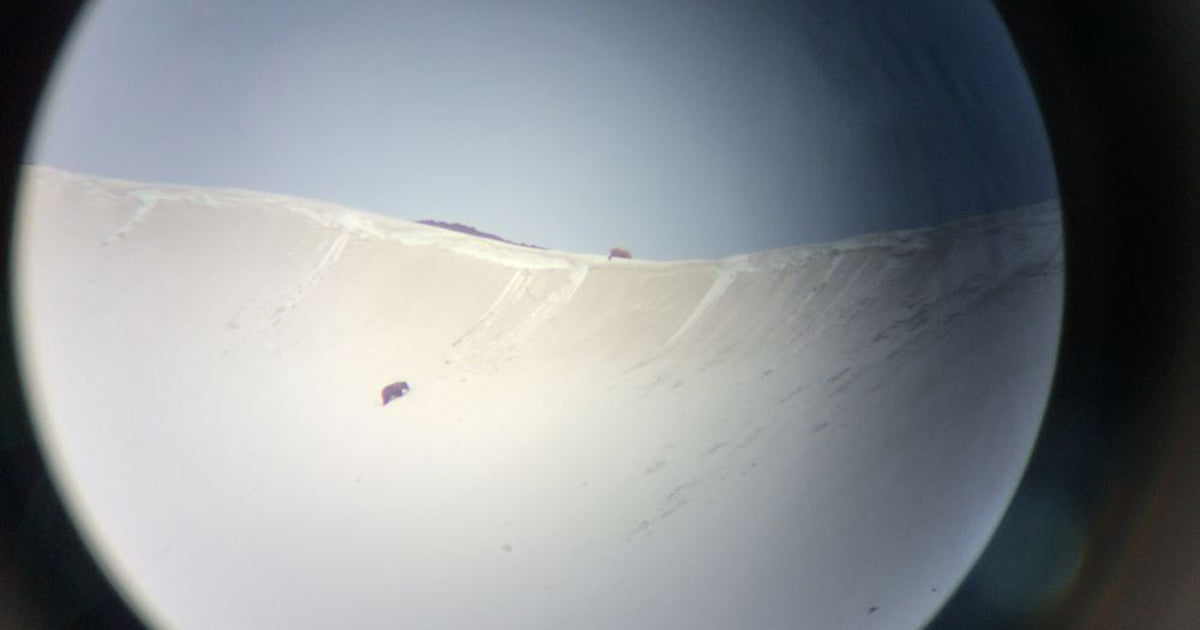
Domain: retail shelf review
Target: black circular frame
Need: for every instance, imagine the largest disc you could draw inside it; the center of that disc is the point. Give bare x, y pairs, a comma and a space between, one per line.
1111, 499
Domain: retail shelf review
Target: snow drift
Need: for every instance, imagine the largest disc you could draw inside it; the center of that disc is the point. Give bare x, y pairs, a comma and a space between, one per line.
821, 436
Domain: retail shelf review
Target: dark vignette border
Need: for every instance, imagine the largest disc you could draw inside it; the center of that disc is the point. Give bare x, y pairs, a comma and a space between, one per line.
1104, 531
1118, 462
48, 579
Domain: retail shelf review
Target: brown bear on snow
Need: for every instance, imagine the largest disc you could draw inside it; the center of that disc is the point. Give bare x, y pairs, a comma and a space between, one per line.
395, 390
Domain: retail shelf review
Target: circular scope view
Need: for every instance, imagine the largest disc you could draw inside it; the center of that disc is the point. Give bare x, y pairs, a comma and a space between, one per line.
576, 315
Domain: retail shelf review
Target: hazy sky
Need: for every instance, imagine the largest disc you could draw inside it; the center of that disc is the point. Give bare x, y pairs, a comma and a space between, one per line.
675, 129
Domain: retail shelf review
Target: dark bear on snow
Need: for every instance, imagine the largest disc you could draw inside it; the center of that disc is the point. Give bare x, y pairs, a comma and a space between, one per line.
395, 390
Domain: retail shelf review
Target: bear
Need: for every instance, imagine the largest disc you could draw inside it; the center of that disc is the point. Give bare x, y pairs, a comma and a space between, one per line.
394, 391
617, 252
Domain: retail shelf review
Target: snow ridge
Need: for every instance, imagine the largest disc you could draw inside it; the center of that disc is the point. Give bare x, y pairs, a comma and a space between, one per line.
147, 199
314, 276
720, 284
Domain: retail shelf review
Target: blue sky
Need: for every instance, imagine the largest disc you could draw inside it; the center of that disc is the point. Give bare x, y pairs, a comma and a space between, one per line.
674, 129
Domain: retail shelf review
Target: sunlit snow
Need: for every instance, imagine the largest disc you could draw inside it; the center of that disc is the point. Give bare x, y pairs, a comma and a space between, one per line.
821, 436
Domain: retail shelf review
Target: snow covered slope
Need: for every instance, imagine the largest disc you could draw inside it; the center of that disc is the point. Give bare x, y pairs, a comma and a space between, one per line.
814, 437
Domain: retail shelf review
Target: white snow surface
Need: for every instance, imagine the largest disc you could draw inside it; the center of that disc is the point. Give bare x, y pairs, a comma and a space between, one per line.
820, 436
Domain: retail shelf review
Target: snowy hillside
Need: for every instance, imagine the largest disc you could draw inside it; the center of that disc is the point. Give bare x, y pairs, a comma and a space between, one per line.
814, 437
